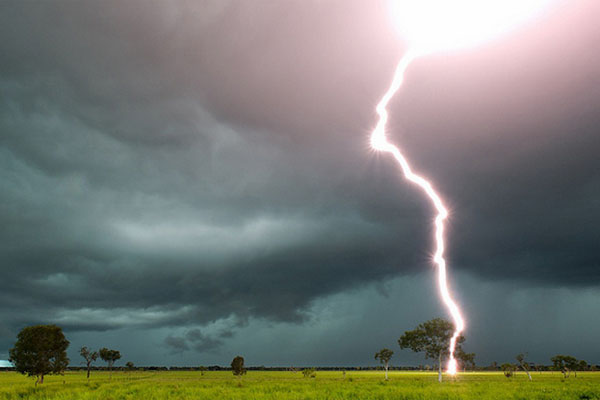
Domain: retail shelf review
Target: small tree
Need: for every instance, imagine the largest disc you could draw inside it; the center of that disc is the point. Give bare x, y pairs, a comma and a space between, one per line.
508, 369
40, 350
202, 370
110, 357
564, 364
467, 360
524, 364
130, 365
384, 356
583, 366
572, 364
309, 373
432, 337
89, 357
237, 366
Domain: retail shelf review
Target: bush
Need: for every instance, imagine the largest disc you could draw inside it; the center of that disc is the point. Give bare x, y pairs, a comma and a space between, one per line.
508, 369
237, 366
309, 373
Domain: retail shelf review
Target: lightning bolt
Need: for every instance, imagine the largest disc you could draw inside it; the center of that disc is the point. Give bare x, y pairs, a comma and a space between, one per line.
379, 142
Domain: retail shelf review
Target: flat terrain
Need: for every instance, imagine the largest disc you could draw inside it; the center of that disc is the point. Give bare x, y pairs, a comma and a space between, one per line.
290, 385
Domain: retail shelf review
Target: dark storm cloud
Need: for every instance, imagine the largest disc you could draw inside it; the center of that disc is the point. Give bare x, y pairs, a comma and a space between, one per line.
196, 340
174, 164
177, 344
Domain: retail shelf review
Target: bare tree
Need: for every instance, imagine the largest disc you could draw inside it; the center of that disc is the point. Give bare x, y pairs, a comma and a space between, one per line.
523, 364
89, 357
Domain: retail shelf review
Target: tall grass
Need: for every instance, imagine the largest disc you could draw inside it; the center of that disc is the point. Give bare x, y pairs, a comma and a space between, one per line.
290, 385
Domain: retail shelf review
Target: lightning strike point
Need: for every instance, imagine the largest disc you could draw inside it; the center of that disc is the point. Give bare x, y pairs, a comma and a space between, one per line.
452, 367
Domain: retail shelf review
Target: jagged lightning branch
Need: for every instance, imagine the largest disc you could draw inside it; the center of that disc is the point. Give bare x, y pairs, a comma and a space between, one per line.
380, 142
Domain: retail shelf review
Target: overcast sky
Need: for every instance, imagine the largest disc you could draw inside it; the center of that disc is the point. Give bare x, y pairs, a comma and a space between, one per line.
189, 181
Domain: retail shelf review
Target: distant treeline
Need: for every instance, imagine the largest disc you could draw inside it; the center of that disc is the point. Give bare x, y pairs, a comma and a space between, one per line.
538, 368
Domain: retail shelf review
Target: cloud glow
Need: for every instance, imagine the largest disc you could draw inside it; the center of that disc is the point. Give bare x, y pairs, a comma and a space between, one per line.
437, 25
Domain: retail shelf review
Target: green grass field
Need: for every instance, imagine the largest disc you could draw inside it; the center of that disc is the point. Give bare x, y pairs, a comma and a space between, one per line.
290, 385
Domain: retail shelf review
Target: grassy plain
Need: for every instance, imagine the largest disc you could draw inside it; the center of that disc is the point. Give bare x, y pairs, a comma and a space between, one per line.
290, 385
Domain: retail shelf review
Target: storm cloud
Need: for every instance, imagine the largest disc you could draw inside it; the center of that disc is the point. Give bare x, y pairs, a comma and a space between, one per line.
193, 169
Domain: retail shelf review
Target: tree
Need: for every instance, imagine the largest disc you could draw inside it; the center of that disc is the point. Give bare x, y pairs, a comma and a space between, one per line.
384, 356
110, 357
40, 350
508, 369
237, 366
89, 357
432, 337
524, 364
573, 364
467, 360
309, 372
583, 366
202, 370
130, 365
564, 364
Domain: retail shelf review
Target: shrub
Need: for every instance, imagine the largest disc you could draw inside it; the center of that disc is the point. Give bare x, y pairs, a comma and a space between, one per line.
508, 369
309, 373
